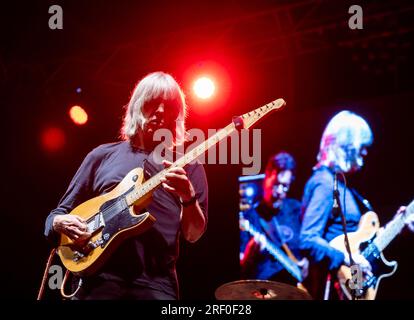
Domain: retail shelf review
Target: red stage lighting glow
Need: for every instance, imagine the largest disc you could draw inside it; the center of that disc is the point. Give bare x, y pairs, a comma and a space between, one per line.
53, 139
207, 84
204, 88
78, 115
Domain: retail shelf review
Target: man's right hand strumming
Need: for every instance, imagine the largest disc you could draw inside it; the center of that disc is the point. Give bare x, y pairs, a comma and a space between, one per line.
72, 226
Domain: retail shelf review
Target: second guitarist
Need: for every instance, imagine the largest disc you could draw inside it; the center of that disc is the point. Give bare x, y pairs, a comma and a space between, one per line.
342, 149
276, 218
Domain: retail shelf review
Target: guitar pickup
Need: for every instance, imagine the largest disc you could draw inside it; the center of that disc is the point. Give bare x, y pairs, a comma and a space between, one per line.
95, 223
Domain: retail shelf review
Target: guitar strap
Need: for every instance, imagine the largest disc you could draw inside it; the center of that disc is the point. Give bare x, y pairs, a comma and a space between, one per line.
331, 278
363, 204
272, 230
270, 227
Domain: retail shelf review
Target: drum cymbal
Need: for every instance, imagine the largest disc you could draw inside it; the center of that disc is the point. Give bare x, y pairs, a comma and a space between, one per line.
260, 290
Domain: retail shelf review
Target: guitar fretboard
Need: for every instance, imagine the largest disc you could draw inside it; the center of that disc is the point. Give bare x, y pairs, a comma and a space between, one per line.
189, 157
248, 119
392, 229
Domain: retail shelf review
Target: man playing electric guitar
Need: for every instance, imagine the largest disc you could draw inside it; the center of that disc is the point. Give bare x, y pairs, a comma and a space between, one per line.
144, 266
342, 150
105, 220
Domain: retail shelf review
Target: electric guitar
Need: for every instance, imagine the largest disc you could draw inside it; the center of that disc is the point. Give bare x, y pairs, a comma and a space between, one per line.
115, 216
370, 241
288, 263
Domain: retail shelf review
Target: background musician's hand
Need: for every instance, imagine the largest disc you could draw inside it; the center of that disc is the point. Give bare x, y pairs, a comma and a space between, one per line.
304, 267
177, 182
409, 221
72, 226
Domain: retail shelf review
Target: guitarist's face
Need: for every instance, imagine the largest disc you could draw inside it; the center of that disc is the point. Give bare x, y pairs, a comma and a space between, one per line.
276, 186
159, 114
352, 158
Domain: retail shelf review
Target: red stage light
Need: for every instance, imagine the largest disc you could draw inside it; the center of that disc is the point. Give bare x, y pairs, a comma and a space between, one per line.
78, 115
209, 86
53, 139
204, 88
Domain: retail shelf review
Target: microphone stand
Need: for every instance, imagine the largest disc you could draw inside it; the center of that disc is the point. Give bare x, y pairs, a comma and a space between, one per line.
337, 210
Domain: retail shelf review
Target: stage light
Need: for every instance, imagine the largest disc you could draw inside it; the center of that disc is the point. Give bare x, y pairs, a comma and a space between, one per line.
53, 139
78, 115
204, 88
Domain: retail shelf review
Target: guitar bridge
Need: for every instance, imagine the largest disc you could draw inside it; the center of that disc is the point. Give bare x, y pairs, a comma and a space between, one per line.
92, 245
77, 256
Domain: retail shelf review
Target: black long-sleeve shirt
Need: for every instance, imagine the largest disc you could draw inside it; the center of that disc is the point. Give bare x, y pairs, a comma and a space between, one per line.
149, 259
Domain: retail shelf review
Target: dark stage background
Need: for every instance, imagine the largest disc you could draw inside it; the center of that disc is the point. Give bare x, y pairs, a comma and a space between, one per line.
302, 51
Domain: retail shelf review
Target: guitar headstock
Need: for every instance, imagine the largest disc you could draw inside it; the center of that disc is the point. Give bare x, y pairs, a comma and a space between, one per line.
252, 117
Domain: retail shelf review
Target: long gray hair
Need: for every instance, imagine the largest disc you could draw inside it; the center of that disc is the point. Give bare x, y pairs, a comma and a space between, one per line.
342, 140
154, 85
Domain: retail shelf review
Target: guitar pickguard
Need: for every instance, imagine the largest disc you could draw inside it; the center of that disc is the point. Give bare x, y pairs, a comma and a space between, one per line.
116, 215
381, 268
113, 216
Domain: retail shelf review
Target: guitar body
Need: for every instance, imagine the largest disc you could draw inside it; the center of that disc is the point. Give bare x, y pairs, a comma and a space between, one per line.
359, 240
110, 220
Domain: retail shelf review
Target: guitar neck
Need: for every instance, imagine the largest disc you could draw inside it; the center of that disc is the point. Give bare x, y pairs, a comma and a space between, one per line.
276, 252
152, 183
245, 121
392, 229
